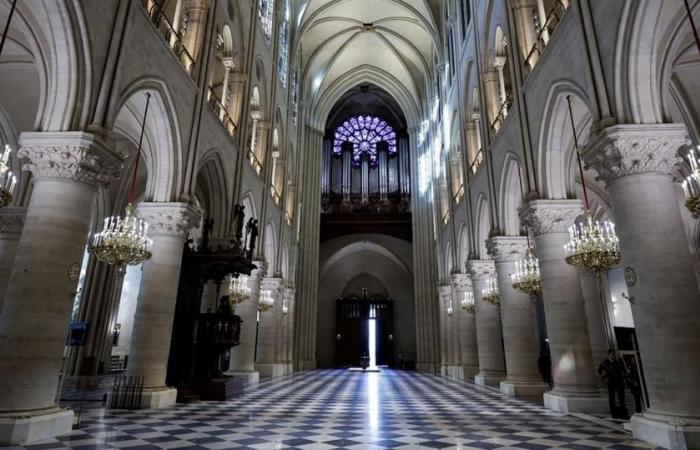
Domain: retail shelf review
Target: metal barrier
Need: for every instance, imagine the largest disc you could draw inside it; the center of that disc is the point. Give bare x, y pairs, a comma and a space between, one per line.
127, 392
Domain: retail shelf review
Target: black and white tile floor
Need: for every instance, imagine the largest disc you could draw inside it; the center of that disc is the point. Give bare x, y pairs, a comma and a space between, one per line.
337, 409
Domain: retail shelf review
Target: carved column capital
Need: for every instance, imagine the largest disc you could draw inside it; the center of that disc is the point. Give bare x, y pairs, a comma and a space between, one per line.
550, 216
168, 219
461, 281
75, 156
623, 150
507, 248
12, 222
481, 268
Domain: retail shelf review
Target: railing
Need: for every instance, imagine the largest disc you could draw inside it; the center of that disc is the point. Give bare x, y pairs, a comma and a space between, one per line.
257, 167
459, 195
275, 196
446, 217
219, 109
478, 160
545, 33
502, 113
172, 37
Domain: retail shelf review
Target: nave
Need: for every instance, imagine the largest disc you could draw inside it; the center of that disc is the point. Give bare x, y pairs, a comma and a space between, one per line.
333, 409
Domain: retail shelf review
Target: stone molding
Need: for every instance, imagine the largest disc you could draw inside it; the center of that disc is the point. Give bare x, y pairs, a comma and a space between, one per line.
168, 218
70, 155
481, 268
550, 216
507, 248
12, 221
623, 150
461, 281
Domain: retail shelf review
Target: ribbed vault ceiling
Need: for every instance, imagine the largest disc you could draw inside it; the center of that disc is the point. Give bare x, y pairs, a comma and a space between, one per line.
392, 39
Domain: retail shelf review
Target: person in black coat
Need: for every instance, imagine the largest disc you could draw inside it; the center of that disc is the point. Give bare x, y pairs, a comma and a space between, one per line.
614, 372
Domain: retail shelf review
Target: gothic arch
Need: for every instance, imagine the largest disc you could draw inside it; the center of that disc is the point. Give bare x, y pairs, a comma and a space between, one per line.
483, 226
510, 196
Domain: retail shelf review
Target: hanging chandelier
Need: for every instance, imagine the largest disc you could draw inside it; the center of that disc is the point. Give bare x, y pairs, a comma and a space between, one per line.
265, 302
490, 293
468, 301
691, 185
238, 289
8, 180
592, 245
527, 278
125, 241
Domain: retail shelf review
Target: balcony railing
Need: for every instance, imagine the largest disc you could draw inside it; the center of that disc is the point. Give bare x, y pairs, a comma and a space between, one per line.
172, 38
446, 217
257, 167
217, 106
275, 196
502, 113
476, 163
459, 194
545, 33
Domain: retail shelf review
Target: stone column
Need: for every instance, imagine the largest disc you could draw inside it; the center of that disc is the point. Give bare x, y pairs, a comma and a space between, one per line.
575, 381
492, 88
636, 161
242, 365
595, 318
67, 168
237, 81
466, 327
155, 308
524, 11
489, 335
11, 223
288, 328
193, 35
269, 361
450, 365
518, 316
228, 67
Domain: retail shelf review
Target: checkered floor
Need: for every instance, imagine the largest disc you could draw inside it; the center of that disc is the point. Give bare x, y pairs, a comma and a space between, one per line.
338, 409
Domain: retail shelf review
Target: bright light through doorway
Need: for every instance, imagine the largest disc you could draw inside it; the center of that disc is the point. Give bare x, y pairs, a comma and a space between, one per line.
372, 331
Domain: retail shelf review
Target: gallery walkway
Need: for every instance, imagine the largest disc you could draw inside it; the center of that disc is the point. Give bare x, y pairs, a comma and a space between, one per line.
336, 409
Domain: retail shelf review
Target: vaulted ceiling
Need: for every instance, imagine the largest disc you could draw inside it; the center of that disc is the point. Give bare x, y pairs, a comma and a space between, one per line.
390, 41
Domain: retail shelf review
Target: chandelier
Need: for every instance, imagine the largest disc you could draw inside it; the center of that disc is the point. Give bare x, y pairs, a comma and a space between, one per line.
490, 293
265, 302
238, 290
468, 301
8, 180
125, 241
527, 278
691, 186
592, 245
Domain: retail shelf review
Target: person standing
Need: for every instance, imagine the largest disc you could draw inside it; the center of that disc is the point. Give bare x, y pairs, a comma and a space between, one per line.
613, 371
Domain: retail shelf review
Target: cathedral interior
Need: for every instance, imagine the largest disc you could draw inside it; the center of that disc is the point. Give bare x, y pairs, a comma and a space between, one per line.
361, 224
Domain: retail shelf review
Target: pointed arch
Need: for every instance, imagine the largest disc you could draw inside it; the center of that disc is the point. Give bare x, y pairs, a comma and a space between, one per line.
483, 226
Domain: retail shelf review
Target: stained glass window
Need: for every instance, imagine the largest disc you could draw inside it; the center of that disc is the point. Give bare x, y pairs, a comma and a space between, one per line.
282, 63
265, 13
364, 132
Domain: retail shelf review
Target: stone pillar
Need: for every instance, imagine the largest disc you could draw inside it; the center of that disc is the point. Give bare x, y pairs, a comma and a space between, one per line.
636, 161
155, 308
67, 168
492, 88
595, 318
466, 327
237, 81
489, 336
269, 362
242, 365
450, 365
288, 328
11, 223
519, 328
575, 381
228, 66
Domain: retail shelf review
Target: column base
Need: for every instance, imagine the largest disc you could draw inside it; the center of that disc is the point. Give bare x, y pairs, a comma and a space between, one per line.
158, 398
524, 389
29, 428
308, 364
246, 376
271, 370
488, 380
452, 371
665, 433
469, 372
571, 403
